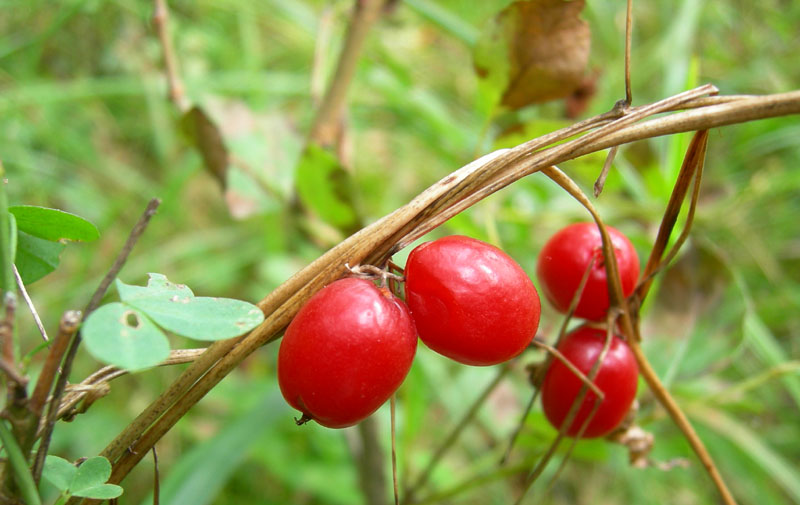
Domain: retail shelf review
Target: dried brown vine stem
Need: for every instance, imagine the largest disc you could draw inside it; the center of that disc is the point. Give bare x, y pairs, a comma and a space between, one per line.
77, 392
161, 23
377, 241
325, 128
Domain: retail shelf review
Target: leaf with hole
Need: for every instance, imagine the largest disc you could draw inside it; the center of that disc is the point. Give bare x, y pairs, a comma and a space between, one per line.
36, 257
53, 224
122, 336
175, 308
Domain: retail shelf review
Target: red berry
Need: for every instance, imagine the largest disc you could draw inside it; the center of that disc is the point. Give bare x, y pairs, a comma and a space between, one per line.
470, 301
563, 262
616, 378
346, 352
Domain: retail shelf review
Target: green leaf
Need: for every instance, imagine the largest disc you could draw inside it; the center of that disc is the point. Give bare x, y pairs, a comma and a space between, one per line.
89, 480
101, 492
767, 348
53, 224
175, 308
158, 287
324, 187
36, 257
122, 336
783, 472
59, 472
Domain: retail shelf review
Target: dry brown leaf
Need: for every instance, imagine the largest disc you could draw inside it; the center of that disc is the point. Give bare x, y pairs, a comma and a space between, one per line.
207, 137
547, 46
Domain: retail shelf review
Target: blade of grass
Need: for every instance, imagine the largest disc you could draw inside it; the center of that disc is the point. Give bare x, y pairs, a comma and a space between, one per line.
19, 466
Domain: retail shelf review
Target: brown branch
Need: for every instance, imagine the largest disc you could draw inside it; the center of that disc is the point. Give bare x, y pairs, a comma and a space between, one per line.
692, 164
324, 130
628, 37
66, 329
378, 241
161, 24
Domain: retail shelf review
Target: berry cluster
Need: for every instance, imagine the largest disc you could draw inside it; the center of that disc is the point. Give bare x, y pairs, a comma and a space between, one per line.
571, 255
351, 346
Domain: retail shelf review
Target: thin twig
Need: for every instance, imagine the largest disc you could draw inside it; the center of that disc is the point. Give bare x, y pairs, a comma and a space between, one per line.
321, 44
12, 373
456, 431
326, 123
29, 303
156, 479
161, 24
601, 179
628, 37
392, 412
122, 257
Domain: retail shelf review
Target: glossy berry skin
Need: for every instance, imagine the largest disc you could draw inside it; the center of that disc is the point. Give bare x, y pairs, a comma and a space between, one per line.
616, 378
470, 301
563, 262
346, 352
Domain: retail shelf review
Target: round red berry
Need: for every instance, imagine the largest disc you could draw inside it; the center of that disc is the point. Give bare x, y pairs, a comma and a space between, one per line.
565, 258
617, 378
346, 352
470, 301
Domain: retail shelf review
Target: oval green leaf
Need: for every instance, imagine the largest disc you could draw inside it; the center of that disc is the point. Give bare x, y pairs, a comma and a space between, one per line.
36, 257
53, 224
122, 336
201, 318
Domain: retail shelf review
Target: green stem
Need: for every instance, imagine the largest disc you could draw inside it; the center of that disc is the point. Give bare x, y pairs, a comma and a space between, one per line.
6, 262
19, 465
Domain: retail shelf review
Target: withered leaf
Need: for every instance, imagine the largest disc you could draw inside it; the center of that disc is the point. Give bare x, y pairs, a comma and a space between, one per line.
207, 137
546, 48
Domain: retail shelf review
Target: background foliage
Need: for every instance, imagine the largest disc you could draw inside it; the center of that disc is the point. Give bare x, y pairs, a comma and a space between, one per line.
85, 126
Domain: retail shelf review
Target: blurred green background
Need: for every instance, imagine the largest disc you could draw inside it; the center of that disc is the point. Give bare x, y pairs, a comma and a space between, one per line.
85, 126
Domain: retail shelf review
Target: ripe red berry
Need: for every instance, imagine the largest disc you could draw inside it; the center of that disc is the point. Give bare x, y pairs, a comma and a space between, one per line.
470, 301
616, 378
346, 352
563, 262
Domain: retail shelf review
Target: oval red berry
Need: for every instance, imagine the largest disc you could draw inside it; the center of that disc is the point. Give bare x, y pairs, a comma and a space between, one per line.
470, 301
563, 263
346, 352
617, 378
